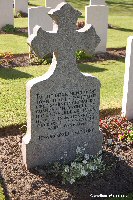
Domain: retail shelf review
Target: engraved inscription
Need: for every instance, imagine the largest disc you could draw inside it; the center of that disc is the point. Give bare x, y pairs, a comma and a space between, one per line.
65, 110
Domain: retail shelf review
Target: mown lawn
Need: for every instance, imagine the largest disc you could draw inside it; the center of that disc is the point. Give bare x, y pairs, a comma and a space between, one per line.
13, 82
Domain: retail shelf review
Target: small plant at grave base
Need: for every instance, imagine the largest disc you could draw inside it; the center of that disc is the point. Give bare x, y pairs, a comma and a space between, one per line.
34, 60
126, 136
117, 128
83, 165
9, 28
81, 55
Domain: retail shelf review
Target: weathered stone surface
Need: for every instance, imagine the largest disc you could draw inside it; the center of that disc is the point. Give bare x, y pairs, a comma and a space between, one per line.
97, 15
6, 13
127, 102
53, 3
21, 5
39, 16
63, 104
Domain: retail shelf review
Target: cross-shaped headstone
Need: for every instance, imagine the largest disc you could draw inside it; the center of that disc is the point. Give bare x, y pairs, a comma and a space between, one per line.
63, 104
65, 40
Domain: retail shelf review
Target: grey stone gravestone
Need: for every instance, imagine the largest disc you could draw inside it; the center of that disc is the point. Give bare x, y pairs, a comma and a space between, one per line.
63, 104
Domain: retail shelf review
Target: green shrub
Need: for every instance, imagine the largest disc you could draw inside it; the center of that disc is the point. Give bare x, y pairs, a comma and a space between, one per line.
8, 28
81, 55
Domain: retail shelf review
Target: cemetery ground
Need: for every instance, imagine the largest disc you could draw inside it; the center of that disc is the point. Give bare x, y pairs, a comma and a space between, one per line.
109, 68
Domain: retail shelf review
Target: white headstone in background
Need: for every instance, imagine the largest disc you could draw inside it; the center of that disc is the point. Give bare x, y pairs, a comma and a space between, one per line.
6, 13
97, 15
21, 5
63, 104
39, 16
97, 2
53, 3
127, 102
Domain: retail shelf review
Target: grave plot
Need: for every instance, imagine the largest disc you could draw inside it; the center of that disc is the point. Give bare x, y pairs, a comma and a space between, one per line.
109, 175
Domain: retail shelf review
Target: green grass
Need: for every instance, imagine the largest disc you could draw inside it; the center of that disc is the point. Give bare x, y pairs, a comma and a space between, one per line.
120, 7
123, 29
111, 74
15, 44
13, 82
2, 196
21, 22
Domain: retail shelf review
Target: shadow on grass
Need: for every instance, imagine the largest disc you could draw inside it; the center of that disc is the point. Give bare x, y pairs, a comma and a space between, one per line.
34, 5
110, 112
12, 73
122, 29
13, 130
124, 4
21, 33
86, 68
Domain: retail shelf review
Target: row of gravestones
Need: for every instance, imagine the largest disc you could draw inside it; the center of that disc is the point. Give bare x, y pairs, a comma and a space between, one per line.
7, 12
95, 14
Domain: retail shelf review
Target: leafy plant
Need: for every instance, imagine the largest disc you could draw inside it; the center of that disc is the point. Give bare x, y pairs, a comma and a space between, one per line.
126, 136
81, 55
8, 28
83, 165
34, 60
119, 128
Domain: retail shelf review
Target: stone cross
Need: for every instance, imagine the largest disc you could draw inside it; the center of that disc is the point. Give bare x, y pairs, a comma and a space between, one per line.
63, 104
66, 35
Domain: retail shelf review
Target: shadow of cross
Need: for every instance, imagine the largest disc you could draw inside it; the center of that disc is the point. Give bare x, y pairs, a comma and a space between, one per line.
64, 40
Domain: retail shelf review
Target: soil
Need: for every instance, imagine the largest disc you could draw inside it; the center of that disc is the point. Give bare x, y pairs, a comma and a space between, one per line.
37, 184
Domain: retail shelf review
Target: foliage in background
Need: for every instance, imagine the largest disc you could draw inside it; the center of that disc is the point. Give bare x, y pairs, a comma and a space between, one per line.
9, 28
